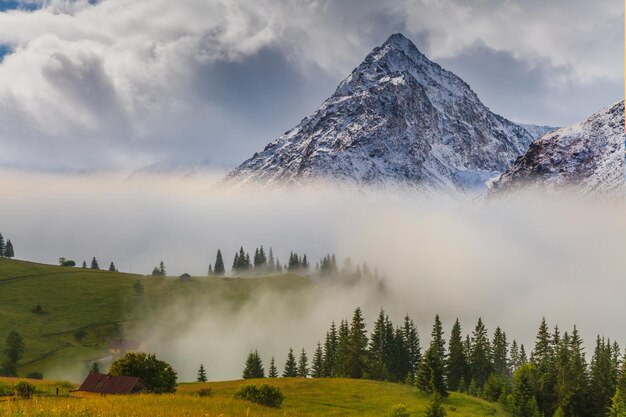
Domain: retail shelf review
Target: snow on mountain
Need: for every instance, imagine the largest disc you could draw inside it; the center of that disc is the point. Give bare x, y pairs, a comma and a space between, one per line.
398, 120
587, 156
537, 131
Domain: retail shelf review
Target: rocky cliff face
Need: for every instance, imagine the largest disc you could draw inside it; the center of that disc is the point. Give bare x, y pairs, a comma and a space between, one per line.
398, 120
587, 156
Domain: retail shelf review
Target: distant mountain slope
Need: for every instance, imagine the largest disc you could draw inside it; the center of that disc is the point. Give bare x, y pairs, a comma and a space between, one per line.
588, 156
398, 120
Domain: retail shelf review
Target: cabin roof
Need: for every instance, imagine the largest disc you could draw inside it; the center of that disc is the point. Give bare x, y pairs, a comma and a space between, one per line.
112, 384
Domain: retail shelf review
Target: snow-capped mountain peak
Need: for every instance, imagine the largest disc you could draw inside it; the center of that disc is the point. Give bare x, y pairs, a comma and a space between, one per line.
398, 120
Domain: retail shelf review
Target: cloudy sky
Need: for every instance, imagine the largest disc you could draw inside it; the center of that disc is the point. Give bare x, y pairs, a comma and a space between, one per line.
120, 84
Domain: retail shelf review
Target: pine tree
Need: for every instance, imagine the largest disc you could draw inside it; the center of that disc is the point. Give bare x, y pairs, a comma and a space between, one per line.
399, 361
112, 267
379, 348
291, 367
330, 351
84, 265
457, 362
236, 266
273, 372
514, 357
201, 374
210, 271
219, 269
523, 359
155, 271
358, 346
574, 390
543, 357
317, 367
254, 366
603, 377
342, 357
500, 353
8, 249
303, 365
1, 245
431, 373
481, 365
412, 340
162, 271
94, 263
94, 367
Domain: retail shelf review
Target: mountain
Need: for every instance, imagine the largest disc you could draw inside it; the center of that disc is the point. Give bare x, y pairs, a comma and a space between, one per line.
588, 156
398, 120
175, 168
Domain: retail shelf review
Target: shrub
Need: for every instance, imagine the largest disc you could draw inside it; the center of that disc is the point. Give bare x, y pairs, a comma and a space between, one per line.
265, 395
23, 389
35, 375
158, 375
399, 410
205, 392
80, 334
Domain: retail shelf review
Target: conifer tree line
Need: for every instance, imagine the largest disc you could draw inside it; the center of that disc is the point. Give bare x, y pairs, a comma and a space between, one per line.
555, 379
6, 248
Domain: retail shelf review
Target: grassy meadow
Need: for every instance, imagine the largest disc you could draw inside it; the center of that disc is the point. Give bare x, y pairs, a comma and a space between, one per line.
98, 305
303, 397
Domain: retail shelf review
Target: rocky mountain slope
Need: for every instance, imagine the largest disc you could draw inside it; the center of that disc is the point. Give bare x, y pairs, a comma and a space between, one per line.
587, 156
398, 120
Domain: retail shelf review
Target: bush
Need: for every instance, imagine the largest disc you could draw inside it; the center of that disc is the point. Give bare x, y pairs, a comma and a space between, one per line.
399, 410
265, 395
23, 389
80, 334
205, 392
159, 376
35, 375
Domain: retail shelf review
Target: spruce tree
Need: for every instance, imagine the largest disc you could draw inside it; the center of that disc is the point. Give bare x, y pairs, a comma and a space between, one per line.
236, 265
162, 271
94, 263
330, 351
603, 377
8, 249
342, 357
431, 373
303, 365
525, 389
543, 357
457, 368
380, 347
219, 269
399, 361
481, 365
112, 267
412, 340
84, 265
577, 384
254, 366
514, 357
357, 345
273, 372
201, 374
317, 366
500, 353
1, 245
291, 367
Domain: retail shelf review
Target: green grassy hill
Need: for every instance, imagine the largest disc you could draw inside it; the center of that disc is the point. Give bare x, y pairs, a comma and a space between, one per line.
303, 397
101, 304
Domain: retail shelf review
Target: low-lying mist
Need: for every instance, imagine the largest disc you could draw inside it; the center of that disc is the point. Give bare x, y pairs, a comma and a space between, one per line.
510, 262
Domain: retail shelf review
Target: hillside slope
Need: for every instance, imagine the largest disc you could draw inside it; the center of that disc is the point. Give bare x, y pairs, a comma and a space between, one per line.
303, 397
398, 120
100, 303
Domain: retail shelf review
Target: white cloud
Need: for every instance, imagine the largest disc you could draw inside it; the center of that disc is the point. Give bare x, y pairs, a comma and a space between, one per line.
118, 82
